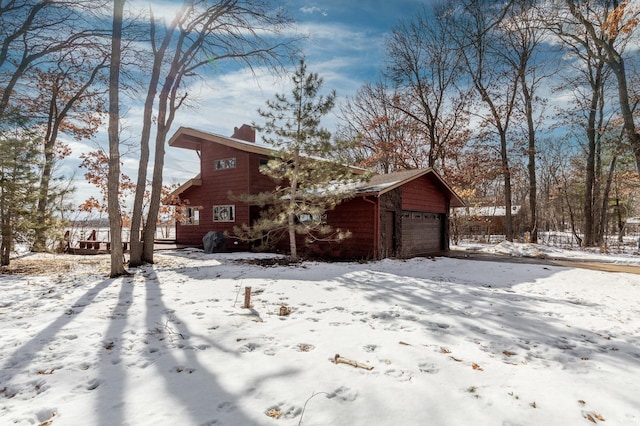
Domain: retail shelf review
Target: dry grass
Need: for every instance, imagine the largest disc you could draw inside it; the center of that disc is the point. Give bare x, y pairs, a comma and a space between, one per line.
55, 264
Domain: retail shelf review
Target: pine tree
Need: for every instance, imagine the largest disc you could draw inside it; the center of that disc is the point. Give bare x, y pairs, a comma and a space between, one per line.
19, 174
308, 182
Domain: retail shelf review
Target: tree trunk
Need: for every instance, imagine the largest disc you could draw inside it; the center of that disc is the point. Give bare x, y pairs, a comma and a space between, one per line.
113, 183
138, 253
293, 247
617, 66
156, 190
604, 213
291, 217
531, 166
40, 239
166, 114
506, 172
5, 244
589, 236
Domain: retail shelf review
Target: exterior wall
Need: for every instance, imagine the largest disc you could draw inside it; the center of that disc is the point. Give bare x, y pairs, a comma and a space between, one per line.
258, 182
244, 178
422, 195
190, 234
357, 216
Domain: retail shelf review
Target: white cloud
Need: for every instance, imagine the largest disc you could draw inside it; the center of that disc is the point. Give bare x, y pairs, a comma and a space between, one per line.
345, 57
310, 10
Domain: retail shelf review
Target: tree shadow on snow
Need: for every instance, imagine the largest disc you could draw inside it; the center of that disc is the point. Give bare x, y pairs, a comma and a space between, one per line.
488, 308
21, 358
178, 356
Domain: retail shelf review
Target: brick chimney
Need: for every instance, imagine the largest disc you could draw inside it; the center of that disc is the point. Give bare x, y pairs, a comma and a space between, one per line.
245, 133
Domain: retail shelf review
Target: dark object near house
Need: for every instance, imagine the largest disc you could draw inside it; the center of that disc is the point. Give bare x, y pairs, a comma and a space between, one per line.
402, 214
213, 241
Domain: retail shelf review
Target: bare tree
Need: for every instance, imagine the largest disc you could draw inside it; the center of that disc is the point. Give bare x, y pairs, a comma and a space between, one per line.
524, 38
113, 183
589, 81
474, 26
384, 135
426, 66
202, 32
586, 32
33, 31
608, 24
67, 103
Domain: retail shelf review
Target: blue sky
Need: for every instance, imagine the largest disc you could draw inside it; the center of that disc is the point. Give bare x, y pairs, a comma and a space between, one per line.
345, 46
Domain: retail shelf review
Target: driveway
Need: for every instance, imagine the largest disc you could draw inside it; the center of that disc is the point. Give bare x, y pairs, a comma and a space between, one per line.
491, 257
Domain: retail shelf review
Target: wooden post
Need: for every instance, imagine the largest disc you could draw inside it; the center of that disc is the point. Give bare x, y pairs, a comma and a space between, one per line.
247, 298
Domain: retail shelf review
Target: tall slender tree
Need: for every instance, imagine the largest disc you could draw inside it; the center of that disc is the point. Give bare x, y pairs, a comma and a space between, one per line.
475, 29
585, 34
309, 183
201, 33
609, 25
113, 182
524, 39
426, 66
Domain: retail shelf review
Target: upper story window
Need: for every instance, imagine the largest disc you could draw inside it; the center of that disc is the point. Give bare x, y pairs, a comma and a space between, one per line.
225, 163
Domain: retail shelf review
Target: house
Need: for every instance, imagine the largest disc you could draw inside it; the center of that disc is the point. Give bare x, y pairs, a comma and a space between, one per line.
485, 221
402, 214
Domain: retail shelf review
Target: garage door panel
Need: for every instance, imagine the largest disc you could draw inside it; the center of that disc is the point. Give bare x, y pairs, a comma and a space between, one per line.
421, 233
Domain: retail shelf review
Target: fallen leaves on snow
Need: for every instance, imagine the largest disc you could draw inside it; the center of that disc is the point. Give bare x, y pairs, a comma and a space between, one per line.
593, 417
274, 413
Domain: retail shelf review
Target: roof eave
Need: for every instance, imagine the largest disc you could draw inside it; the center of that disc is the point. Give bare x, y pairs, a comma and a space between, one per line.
196, 181
188, 138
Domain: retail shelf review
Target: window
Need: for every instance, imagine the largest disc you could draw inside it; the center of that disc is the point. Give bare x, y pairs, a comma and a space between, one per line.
226, 163
312, 219
190, 216
224, 213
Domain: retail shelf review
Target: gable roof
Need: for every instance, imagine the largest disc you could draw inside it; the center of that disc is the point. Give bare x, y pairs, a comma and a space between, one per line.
188, 138
195, 181
380, 184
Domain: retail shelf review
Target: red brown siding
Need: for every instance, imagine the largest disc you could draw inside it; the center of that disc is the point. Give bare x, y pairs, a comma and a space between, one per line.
358, 217
215, 189
422, 195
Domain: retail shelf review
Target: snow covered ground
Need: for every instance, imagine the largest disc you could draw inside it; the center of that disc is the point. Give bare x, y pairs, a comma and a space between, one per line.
451, 342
